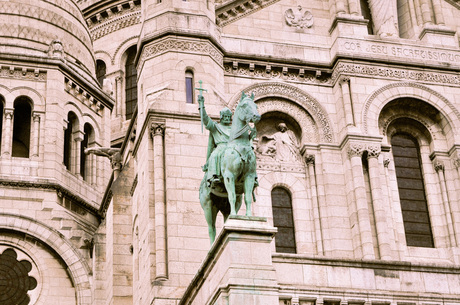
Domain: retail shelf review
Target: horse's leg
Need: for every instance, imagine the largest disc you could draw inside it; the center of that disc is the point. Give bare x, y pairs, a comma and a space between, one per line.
210, 211
238, 202
248, 188
229, 181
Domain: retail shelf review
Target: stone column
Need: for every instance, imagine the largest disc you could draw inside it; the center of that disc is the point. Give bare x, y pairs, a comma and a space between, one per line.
119, 94
438, 16
157, 130
7, 132
355, 152
381, 225
426, 15
354, 7
340, 7
439, 167
76, 150
346, 97
36, 135
310, 160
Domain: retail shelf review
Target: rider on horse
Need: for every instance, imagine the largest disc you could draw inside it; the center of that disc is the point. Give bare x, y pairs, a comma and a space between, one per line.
219, 134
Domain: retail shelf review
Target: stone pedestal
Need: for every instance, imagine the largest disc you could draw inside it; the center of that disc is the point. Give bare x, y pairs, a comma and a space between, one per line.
238, 269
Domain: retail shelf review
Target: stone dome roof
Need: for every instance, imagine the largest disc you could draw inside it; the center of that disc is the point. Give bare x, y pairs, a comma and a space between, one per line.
51, 28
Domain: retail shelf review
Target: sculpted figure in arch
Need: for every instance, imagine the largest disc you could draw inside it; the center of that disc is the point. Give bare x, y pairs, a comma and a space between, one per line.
282, 145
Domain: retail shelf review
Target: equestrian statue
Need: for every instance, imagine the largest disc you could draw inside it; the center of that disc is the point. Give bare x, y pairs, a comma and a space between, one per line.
230, 169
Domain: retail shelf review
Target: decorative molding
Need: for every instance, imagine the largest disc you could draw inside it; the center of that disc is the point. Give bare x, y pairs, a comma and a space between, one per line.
395, 73
405, 115
44, 15
83, 96
115, 24
234, 10
274, 71
23, 73
181, 44
310, 104
280, 167
53, 186
380, 91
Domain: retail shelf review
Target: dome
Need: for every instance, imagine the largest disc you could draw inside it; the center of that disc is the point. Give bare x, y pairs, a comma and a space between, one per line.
48, 28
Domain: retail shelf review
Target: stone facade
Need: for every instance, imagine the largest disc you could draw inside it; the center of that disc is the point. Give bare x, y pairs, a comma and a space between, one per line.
366, 169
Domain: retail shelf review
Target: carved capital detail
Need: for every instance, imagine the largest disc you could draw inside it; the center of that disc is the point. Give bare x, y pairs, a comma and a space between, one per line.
386, 162
373, 151
36, 117
344, 80
438, 165
9, 113
157, 129
356, 150
310, 159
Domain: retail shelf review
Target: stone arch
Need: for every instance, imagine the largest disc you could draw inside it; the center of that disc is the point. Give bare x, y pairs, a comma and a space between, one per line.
119, 55
298, 96
78, 268
32, 94
388, 93
301, 205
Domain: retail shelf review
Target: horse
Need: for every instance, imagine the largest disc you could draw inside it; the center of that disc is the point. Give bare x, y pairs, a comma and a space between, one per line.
238, 169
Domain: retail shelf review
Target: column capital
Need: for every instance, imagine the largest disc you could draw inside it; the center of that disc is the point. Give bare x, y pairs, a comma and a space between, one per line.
457, 162
386, 162
310, 159
36, 117
438, 165
355, 150
373, 150
9, 113
157, 129
344, 80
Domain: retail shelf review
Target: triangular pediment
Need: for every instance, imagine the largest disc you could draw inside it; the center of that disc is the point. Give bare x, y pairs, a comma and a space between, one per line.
232, 10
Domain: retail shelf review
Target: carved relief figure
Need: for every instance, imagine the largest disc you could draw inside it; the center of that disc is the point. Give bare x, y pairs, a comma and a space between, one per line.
384, 15
300, 19
282, 145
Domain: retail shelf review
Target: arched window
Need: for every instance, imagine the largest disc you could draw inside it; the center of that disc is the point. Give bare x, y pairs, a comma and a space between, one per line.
84, 159
283, 220
366, 12
21, 127
189, 86
131, 82
101, 71
417, 226
72, 124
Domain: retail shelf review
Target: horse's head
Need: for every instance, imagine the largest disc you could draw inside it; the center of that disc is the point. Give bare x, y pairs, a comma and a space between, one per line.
248, 111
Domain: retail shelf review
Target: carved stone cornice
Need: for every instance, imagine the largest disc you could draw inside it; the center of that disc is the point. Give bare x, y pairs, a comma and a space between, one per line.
290, 73
183, 45
395, 73
83, 96
115, 24
23, 73
234, 10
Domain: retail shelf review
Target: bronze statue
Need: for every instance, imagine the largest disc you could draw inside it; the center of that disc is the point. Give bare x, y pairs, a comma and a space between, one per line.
230, 169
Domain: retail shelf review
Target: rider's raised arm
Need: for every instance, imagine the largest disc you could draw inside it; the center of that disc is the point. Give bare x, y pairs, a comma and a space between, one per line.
208, 122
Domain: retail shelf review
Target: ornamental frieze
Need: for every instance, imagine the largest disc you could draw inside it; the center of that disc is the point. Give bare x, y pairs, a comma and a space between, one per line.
182, 44
397, 73
115, 24
22, 73
293, 74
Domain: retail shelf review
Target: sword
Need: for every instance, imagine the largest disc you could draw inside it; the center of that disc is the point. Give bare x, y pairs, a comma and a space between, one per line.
201, 109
